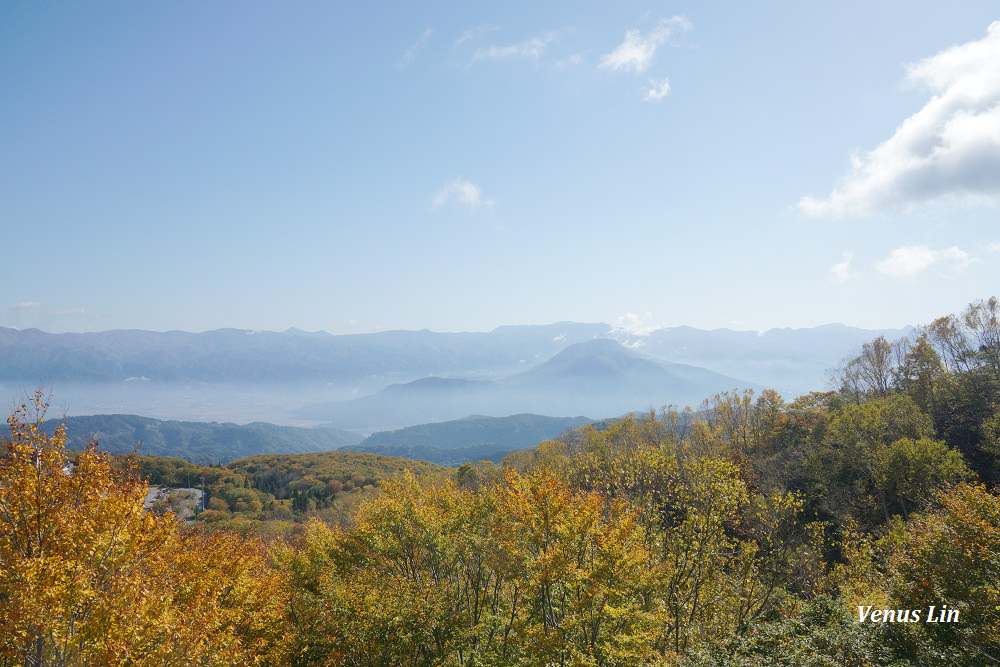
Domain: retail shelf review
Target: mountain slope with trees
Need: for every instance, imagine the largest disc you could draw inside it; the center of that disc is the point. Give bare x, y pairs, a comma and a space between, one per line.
470, 439
198, 442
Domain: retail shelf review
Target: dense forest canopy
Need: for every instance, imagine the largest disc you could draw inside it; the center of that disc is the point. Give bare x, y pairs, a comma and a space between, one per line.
752, 530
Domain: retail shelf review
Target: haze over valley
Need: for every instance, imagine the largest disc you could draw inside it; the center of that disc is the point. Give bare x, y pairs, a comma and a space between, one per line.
340, 389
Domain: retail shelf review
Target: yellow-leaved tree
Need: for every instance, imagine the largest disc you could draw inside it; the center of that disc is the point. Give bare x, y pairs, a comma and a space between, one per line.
88, 578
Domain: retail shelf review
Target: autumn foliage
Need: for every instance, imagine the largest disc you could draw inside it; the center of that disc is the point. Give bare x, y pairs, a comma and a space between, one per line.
88, 578
745, 533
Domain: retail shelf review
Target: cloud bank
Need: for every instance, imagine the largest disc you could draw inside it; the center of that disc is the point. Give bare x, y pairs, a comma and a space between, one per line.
949, 150
25, 305
32, 314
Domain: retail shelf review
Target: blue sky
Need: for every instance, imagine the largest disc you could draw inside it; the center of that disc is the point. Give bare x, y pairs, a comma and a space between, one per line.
353, 167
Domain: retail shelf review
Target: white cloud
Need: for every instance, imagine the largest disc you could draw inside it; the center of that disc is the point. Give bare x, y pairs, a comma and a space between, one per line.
634, 325
636, 52
993, 247
572, 61
412, 52
907, 262
463, 193
657, 90
25, 305
841, 271
947, 151
532, 48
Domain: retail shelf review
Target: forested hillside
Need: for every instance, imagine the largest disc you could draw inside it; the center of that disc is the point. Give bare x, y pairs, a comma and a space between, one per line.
272, 493
828, 529
198, 442
467, 440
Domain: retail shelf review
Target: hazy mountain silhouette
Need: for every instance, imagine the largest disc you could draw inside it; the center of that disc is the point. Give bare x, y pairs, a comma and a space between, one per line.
599, 378
603, 364
794, 361
239, 375
232, 355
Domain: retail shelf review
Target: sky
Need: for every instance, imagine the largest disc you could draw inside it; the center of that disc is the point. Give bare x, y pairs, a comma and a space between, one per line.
356, 167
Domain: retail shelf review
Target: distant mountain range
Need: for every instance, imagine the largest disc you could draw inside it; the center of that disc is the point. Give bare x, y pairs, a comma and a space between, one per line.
235, 355
599, 377
386, 382
399, 378
774, 357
